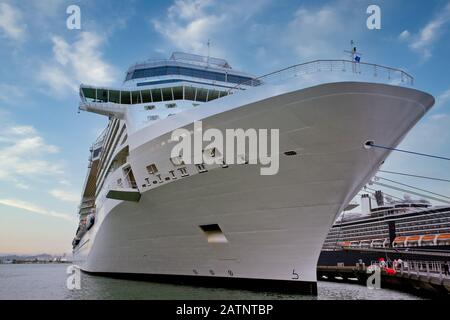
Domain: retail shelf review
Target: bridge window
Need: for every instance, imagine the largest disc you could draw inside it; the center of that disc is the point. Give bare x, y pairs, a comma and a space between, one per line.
189, 72
146, 97
201, 95
114, 96
178, 93
152, 95
156, 94
213, 94
189, 93
125, 97
167, 94
136, 97
102, 95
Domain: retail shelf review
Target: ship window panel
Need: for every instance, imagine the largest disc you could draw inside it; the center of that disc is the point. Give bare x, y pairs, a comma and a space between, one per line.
167, 94
125, 97
213, 94
89, 94
223, 94
189, 93
201, 95
136, 97
172, 70
146, 97
238, 79
114, 96
152, 169
156, 94
102, 95
178, 93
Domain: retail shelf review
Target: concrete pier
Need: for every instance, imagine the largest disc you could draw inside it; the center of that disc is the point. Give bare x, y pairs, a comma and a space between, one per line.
419, 277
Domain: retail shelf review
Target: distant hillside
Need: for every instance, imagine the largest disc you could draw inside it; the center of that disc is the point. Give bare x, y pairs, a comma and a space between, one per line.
43, 256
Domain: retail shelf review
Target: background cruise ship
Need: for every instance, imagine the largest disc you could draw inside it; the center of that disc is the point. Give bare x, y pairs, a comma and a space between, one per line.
146, 213
398, 229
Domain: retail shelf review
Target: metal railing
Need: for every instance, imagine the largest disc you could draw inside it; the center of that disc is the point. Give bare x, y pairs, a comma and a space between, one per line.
418, 268
391, 75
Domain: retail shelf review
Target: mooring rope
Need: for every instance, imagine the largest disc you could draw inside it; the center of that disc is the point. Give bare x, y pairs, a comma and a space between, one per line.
414, 176
412, 187
372, 144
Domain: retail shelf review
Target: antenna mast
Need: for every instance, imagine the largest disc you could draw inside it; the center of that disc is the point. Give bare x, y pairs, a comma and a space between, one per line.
355, 56
207, 59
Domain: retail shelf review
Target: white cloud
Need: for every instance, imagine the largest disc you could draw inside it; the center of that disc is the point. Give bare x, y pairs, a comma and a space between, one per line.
11, 24
23, 155
443, 98
22, 130
35, 209
314, 32
439, 116
65, 195
404, 35
424, 40
76, 63
190, 23
10, 93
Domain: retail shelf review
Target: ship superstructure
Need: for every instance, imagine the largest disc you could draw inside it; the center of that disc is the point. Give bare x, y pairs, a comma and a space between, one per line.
400, 224
147, 212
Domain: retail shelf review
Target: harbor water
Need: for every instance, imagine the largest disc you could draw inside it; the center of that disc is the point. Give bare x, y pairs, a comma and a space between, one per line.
48, 281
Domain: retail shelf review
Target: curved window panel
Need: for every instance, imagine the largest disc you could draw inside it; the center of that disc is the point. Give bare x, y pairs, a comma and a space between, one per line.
146, 97
167, 94
201, 95
136, 97
213, 94
89, 94
156, 94
184, 71
114, 96
102, 95
189, 93
125, 97
177, 93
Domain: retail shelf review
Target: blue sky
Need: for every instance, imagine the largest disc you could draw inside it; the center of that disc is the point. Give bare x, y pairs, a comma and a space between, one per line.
44, 142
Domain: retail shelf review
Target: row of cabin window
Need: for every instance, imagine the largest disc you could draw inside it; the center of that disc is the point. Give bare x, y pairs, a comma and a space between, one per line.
152, 95
184, 71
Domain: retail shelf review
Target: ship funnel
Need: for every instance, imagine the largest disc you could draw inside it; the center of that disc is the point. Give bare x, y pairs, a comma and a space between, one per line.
366, 204
379, 197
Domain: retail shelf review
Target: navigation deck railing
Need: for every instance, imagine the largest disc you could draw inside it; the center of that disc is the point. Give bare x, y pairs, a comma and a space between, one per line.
388, 74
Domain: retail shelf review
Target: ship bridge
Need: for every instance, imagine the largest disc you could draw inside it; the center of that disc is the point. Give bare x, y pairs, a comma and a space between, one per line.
161, 88
186, 67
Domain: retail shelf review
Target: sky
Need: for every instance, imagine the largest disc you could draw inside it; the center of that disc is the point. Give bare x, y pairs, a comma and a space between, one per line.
44, 142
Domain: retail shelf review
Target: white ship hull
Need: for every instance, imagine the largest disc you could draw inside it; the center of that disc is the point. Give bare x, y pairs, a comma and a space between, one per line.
275, 225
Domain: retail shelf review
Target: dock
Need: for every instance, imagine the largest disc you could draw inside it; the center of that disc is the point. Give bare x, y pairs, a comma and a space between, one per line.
420, 277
